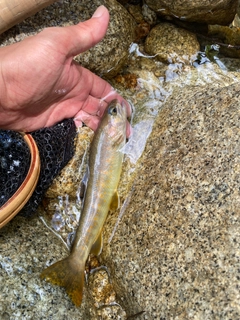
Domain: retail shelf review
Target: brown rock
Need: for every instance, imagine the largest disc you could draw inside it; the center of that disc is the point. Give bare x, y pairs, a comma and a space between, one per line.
171, 44
108, 57
202, 11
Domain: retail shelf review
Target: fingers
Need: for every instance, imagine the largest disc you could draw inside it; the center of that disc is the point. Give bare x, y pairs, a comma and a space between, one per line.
92, 112
93, 122
85, 35
101, 90
101, 93
86, 118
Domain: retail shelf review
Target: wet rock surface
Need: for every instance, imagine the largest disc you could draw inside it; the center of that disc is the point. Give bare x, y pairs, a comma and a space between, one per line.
105, 59
171, 44
176, 250
229, 36
25, 247
206, 11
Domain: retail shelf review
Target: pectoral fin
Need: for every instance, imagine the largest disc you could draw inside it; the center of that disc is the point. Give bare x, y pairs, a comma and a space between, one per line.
115, 202
97, 246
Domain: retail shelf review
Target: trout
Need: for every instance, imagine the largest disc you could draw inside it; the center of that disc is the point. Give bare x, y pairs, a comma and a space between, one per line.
105, 164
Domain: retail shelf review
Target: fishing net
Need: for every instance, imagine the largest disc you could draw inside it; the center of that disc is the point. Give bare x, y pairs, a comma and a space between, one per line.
14, 163
56, 148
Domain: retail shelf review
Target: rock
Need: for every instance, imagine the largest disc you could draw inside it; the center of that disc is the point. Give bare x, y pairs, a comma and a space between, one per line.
202, 11
171, 44
23, 294
123, 2
107, 57
136, 12
176, 251
229, 37
149, 15
142, 29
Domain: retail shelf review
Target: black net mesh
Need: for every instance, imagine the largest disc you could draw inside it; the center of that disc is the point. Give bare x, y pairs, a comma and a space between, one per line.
14, 163
56, 148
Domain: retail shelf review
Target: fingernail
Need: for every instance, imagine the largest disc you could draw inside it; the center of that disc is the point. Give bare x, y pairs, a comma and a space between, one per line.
99, 12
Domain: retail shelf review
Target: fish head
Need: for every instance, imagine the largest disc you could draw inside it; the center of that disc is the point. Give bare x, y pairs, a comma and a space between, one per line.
115, 121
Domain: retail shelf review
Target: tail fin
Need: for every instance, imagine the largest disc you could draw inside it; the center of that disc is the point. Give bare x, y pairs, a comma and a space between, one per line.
67, 273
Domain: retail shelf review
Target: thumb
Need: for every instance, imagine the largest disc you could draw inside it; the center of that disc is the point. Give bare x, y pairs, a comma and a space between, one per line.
86, 34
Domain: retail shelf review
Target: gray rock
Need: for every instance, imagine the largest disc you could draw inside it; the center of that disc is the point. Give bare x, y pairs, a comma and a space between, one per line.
107, 57
22, 293
202, 11
171, 44
176, 251
149, 15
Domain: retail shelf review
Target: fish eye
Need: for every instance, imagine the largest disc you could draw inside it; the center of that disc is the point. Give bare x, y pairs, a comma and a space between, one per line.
112, 111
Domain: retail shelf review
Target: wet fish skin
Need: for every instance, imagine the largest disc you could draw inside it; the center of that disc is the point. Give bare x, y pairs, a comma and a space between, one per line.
105, 164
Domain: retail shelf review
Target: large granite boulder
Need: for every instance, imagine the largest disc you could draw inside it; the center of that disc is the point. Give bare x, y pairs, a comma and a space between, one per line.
202, 11
171, 44
107, 57
175, 253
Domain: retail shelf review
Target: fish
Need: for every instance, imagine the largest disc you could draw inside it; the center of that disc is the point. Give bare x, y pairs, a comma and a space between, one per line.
104, 171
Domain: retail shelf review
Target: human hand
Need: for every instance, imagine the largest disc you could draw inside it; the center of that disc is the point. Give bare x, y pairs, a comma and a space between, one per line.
41, 84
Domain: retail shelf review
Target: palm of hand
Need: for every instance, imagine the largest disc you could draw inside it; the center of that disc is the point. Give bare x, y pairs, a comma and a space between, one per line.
42, 84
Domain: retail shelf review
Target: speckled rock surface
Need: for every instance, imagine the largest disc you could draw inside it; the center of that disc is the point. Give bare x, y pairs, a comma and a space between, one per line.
176, 252
107, 57
113, 49
149, 15
23, 295
202, 11
171, 44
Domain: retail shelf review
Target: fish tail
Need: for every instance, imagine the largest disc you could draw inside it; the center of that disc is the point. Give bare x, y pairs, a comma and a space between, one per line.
67, 273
